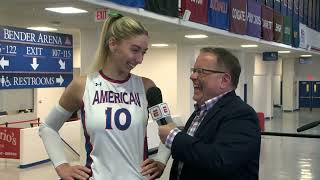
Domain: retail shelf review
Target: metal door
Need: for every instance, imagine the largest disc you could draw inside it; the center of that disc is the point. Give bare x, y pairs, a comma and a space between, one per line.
316, 94
305, 94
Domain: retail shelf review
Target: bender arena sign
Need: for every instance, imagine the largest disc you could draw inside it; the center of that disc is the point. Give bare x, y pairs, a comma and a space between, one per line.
34, 59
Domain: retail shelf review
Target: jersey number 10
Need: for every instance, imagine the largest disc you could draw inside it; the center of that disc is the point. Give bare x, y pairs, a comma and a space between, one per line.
116, 118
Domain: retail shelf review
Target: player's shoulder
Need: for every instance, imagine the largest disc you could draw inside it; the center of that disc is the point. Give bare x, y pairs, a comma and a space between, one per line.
148, 83
78, 82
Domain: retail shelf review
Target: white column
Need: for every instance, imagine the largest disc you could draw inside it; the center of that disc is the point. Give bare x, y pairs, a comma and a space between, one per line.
88, 45
248, 76
185, 59
289, 85
269, 86
262, 99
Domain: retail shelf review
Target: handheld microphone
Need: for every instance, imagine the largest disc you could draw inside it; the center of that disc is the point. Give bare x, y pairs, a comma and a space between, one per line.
159, 111
308, 126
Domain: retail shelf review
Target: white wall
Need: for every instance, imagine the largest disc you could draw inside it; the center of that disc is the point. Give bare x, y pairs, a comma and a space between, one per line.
47, 98
303, 70
88, 44
32, 149
76, 57
160, 65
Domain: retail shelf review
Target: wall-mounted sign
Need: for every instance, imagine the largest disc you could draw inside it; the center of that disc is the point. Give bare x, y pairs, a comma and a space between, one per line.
305, 60
9, 143
34, 55
270, 56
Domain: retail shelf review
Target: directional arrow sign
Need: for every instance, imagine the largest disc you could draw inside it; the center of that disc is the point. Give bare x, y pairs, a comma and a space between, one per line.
59, 80
62, 64
34, 63
4, 62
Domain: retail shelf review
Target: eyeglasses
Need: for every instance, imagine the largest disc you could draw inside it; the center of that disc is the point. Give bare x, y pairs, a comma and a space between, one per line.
204, 71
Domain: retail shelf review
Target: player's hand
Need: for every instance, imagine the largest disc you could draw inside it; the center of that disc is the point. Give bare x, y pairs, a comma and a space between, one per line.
152, 168
69, 172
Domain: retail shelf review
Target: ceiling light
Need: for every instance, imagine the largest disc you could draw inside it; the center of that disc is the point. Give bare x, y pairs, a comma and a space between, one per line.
196, 36
42, 28
66, 10
159, 45
284, 52
306, 55
249, 45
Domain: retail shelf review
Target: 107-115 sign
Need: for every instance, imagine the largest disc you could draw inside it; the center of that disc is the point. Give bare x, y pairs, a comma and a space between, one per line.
61, 53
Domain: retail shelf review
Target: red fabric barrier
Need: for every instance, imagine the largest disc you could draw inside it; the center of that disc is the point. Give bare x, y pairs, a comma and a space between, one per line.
261, 120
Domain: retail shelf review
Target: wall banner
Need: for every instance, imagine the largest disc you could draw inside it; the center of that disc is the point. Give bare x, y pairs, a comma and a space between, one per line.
238, 16
254, 19
277, 27
267, 23
218, 14
9, 143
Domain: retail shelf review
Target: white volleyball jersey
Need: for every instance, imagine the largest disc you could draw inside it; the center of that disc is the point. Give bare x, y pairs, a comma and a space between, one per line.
114, 117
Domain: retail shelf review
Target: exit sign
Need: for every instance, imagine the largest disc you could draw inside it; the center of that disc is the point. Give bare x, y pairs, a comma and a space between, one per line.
101, 15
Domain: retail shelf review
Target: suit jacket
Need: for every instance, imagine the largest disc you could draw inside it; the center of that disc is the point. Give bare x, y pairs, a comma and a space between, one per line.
226, 145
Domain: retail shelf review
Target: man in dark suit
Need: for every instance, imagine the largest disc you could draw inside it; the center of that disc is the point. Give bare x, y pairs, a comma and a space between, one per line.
221, 139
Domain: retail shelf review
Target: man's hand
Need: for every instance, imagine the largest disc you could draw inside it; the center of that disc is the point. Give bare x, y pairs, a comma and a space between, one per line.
153, 168
68, 172
164, 131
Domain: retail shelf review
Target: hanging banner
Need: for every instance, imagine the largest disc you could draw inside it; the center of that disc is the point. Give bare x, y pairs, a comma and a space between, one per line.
290, 7
309, 38
165, 7
295, 31
218, 15
303, 36
287, 30
261, 2
269, 3
198, 9
295, 24
9, 143
318, 16
315, 6
238, 16
267, 23
300, 4
130, 3
277, 6
254, 19
277, 27
296, 9
309, 23
284, 7
305, 12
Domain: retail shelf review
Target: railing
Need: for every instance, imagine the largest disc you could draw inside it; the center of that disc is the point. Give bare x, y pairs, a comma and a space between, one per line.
6, 124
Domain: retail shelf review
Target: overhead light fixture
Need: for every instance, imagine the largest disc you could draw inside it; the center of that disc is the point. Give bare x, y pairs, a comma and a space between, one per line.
42, 28
66, 10
159, 45
196, 36
249, 45
284, 52
306, 55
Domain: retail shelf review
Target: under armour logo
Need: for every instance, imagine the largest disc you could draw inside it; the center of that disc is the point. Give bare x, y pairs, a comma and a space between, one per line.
98, 84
